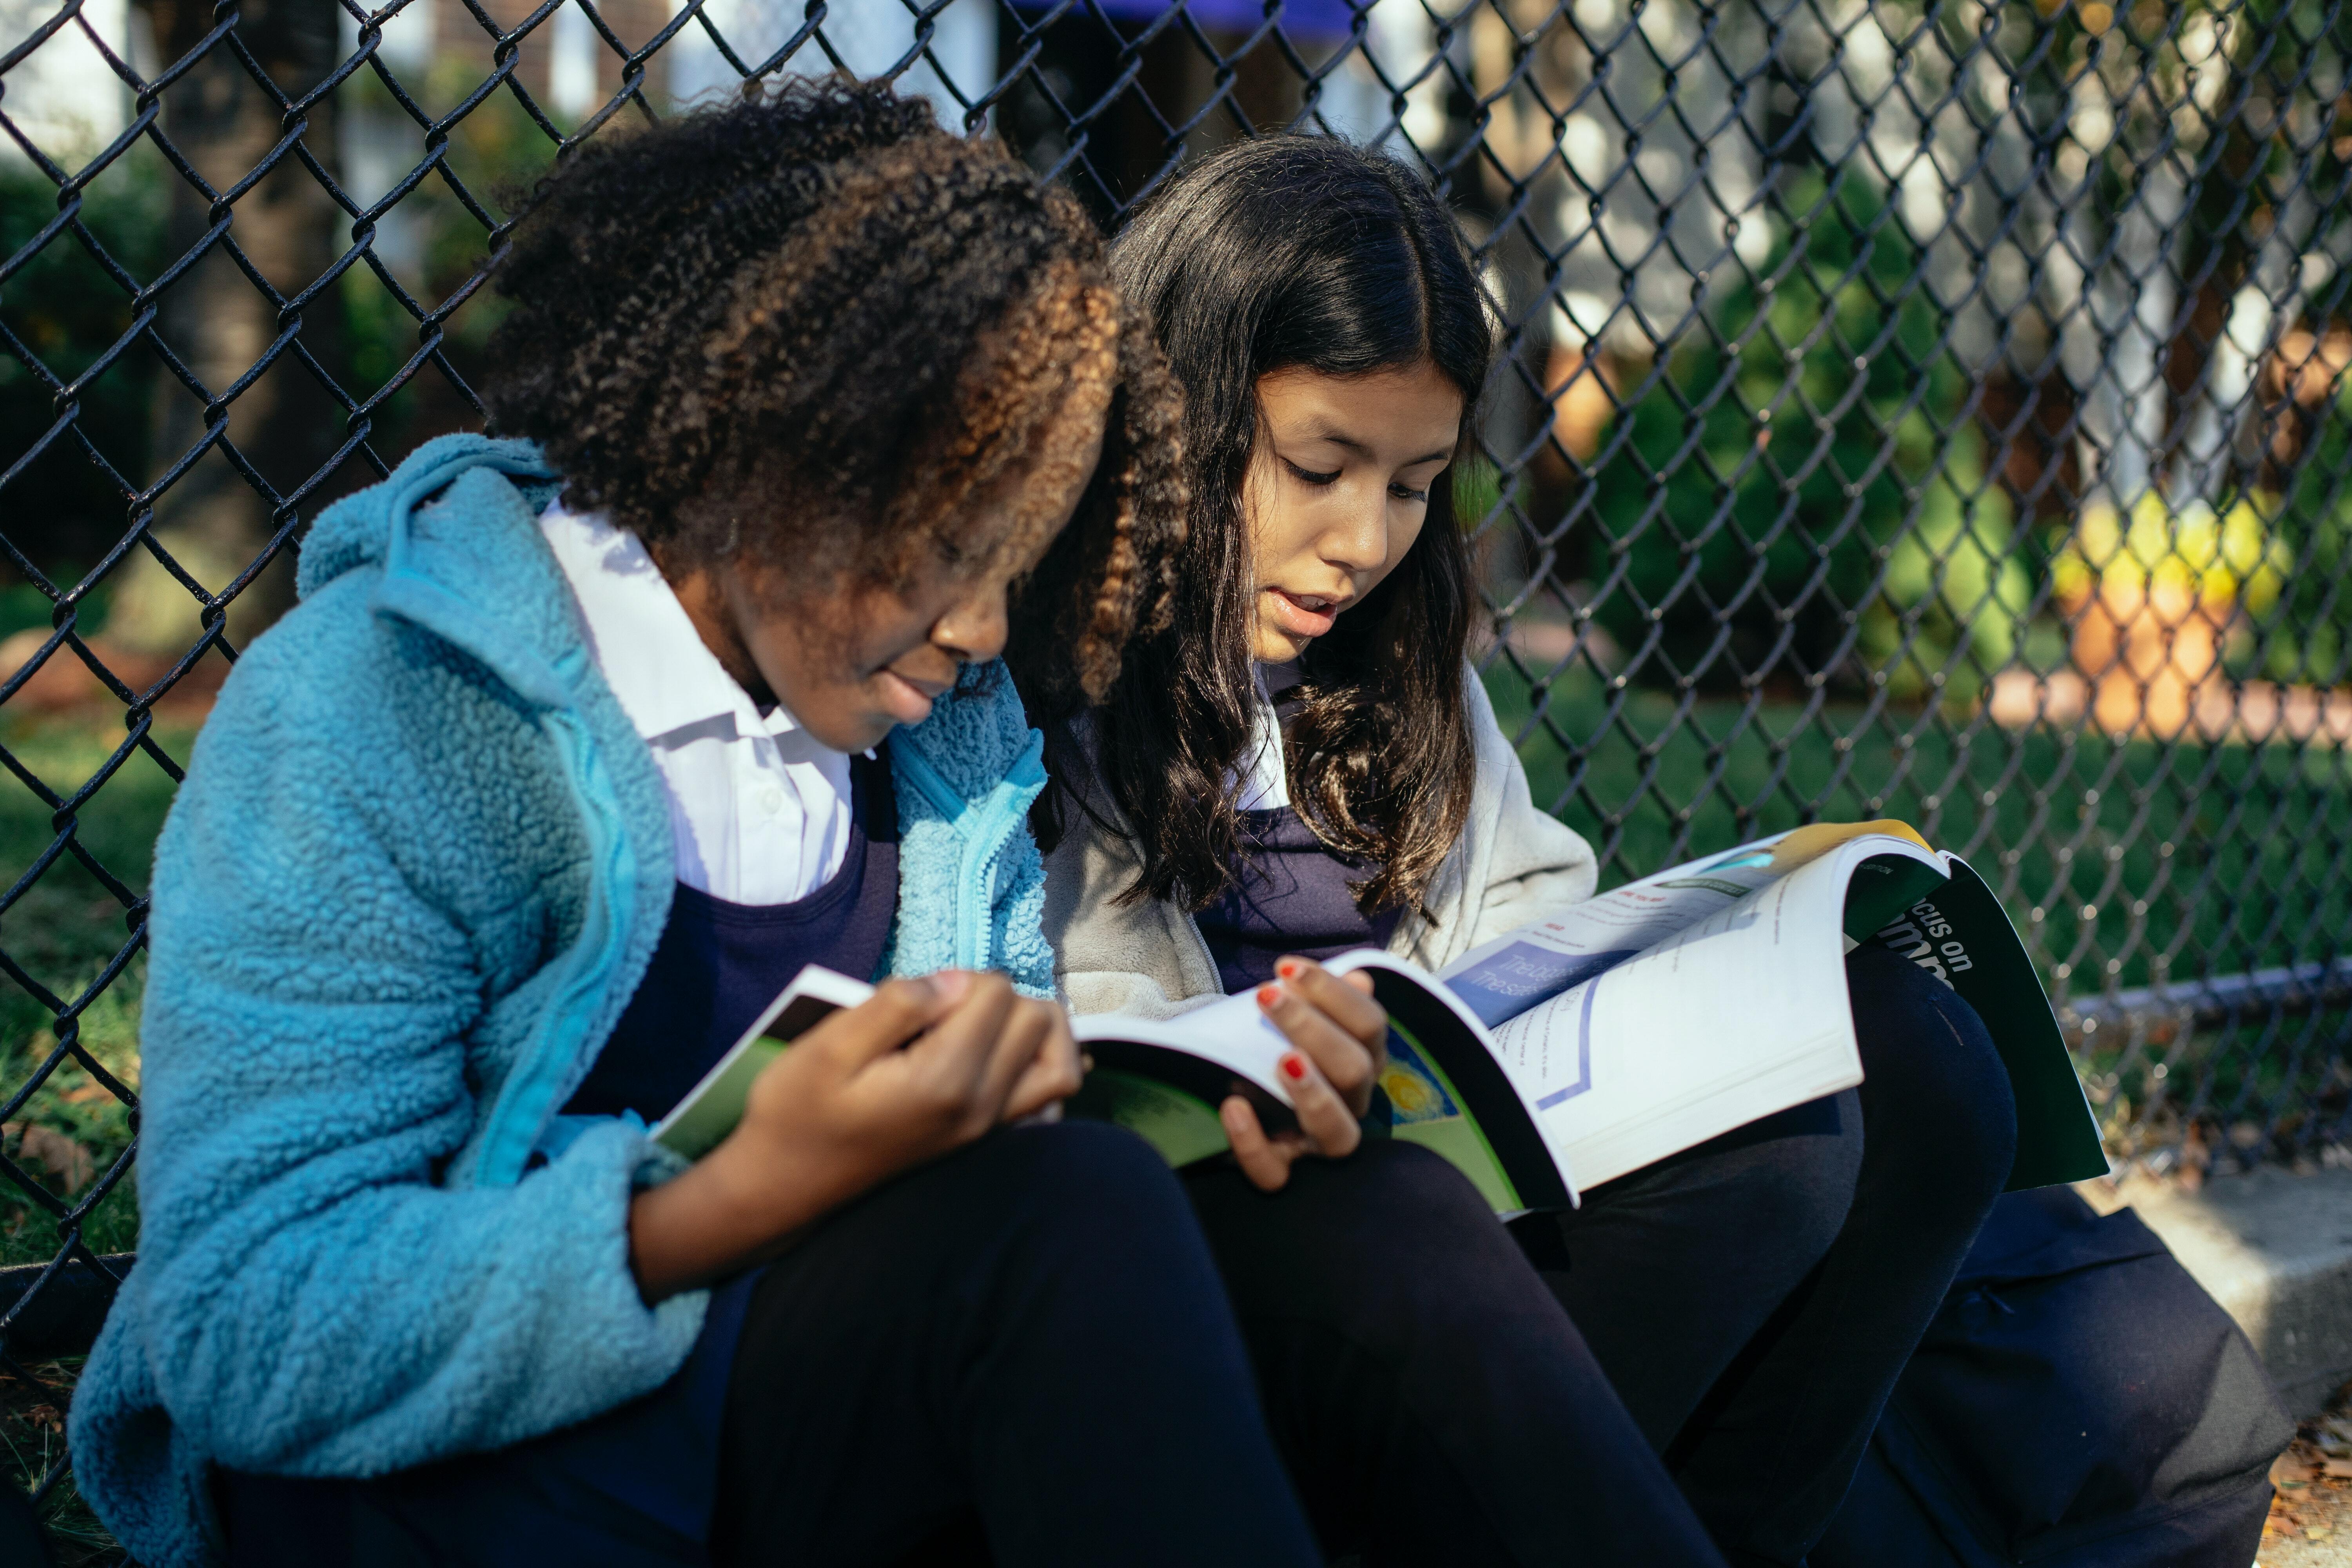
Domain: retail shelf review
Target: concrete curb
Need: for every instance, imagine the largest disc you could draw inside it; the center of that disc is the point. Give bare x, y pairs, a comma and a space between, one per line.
2275, 1249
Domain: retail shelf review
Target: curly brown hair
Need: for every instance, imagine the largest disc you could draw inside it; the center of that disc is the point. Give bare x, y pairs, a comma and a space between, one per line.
809, 326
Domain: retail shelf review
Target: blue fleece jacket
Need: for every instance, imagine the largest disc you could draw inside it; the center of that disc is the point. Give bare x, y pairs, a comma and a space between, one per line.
418, 866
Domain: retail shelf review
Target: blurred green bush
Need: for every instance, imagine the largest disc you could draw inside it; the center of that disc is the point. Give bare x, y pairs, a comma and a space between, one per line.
1813, 436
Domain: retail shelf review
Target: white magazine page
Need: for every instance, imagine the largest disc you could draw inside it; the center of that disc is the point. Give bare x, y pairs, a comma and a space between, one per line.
1733, 1016
1236, 1033
1518, 970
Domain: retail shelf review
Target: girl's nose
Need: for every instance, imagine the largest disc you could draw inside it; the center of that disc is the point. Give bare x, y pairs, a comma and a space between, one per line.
974, 628
1359, 543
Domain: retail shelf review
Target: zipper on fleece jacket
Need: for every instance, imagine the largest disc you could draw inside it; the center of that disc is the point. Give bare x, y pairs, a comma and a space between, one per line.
526, 1100
985, 825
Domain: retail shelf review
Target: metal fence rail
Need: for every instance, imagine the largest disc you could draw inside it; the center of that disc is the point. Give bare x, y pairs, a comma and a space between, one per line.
1928, 409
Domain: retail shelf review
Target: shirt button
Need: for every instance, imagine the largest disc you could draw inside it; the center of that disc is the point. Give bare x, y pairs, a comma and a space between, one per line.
771, 800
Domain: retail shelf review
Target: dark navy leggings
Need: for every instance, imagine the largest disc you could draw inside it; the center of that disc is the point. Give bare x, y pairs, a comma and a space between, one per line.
1754, 1300
1022, 1356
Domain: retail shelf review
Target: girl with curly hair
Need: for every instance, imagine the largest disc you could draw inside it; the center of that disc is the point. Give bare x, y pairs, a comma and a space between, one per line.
581, 743
1303, 761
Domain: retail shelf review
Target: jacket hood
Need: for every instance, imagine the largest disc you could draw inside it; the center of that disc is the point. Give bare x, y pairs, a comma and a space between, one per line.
453, 534
358, 531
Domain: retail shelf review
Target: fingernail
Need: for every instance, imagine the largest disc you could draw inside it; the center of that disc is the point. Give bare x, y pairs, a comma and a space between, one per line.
1294, 1067
1267, 995
1288, 969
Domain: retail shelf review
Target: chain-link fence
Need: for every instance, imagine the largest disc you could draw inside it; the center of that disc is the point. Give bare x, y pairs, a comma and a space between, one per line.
1909, 408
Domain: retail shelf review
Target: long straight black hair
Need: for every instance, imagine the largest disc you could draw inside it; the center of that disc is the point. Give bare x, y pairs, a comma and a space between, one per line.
1292, 251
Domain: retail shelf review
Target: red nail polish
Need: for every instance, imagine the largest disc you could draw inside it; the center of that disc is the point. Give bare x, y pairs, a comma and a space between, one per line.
1267, 995
1288, 969
1294, 1067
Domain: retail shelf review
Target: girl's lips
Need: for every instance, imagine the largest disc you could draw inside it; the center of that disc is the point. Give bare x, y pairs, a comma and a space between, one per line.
1303, 615
907, 702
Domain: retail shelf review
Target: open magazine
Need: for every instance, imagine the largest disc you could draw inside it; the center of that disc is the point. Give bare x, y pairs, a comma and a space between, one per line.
1607, 1035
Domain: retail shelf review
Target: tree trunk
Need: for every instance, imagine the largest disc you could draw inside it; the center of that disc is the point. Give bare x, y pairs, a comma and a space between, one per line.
215, 521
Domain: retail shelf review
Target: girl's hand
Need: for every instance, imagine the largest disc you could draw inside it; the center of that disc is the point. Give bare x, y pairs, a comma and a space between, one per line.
1341, 1035
922, 1067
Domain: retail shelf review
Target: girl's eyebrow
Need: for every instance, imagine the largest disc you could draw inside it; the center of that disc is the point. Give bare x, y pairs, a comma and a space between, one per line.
1341, 439
1337, 438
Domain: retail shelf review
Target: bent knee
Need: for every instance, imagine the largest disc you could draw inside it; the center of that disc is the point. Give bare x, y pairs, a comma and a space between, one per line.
1391, 1216
1933, 1077
1779, 1188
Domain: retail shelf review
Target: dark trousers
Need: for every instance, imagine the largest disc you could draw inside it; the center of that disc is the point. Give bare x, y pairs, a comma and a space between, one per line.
1434, 1403
1025, 1343
982, 1364
1754, 1300
1028, 1353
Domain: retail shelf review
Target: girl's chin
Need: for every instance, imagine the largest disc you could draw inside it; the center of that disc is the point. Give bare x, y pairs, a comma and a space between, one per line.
1272, 644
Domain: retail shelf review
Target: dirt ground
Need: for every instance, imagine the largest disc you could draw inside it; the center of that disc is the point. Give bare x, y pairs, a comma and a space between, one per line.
2311, 1518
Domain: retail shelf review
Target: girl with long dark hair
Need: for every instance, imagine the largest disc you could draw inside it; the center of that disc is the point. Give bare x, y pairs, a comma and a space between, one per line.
1300, 761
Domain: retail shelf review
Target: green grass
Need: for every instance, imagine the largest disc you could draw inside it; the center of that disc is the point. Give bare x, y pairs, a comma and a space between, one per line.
32, 1443
65, 932
2189, 860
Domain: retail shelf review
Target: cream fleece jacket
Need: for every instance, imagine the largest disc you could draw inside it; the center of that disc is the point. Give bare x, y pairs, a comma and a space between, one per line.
1512, 863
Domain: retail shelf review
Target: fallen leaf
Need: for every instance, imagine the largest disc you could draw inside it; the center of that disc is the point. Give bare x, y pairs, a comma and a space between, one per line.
2318, 1532
2337, 1469
54, 1152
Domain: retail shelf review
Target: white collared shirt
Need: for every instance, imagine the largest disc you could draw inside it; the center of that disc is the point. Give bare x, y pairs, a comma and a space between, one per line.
1264, 777
759, 809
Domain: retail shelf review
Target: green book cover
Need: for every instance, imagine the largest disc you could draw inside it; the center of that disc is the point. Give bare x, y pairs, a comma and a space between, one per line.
701, 1121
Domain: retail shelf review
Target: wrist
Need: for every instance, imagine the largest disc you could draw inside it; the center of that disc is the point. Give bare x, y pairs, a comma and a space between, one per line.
763, 1188
729, 1209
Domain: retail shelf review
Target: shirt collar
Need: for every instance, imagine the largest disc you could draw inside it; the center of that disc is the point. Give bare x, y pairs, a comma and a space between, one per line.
1263, 777
666, 678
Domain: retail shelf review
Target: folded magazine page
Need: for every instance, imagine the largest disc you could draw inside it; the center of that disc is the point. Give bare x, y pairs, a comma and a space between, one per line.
697, 1124
1676, 1008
